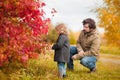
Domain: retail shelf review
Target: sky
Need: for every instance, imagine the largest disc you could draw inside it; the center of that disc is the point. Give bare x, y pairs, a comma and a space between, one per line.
72, 12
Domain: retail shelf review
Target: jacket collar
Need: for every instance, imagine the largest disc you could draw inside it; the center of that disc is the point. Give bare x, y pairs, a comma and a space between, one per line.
91, 33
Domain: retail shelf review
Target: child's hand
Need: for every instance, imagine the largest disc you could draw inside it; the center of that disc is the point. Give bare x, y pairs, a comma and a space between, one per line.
52, 46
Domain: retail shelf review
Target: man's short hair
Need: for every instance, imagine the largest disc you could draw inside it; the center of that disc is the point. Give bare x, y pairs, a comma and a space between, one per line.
91, 23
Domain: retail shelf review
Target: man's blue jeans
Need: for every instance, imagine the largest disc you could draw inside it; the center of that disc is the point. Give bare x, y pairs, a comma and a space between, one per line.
87, 61
61, 68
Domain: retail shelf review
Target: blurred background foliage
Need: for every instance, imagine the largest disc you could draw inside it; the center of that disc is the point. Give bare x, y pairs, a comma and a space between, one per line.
109, 19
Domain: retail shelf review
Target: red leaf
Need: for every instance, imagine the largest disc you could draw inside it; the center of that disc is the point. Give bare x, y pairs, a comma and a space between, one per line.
43, 4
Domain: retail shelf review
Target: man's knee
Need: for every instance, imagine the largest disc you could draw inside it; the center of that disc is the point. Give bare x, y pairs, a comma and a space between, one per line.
88, 61
84, 60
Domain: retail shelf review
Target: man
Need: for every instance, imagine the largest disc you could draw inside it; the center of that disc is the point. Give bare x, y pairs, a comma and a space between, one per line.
87, 48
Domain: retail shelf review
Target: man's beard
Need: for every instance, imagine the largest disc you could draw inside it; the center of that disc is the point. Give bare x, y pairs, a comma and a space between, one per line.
86, 32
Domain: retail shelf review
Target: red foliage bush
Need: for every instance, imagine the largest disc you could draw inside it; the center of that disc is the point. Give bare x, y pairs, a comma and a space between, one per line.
22, 23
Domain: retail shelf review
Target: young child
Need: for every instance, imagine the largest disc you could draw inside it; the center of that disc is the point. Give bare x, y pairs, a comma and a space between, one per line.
62, 49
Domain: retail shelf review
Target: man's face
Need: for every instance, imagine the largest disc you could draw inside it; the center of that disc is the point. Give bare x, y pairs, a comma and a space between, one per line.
86, 28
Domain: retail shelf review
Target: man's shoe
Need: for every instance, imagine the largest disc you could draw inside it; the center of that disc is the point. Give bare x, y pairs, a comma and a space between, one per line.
92, 70
64, 76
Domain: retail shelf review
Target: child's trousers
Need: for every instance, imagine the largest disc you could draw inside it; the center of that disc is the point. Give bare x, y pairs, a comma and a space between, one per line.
61, 69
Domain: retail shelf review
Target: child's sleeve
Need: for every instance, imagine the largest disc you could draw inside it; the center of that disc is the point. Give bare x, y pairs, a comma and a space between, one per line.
60, 43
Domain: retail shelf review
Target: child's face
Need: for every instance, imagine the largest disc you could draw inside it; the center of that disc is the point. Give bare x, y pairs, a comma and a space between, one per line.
58, 32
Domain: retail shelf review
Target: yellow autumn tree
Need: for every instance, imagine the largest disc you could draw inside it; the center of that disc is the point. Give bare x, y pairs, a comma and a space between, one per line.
109, 19
72, 37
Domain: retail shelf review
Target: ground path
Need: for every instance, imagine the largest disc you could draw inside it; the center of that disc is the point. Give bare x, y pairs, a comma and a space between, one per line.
109, 58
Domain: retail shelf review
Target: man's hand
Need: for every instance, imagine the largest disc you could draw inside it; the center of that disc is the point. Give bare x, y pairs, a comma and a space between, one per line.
78, 56
74, 57
81, 53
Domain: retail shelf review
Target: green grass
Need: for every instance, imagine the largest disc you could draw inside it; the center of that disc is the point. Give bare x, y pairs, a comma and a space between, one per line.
46, 69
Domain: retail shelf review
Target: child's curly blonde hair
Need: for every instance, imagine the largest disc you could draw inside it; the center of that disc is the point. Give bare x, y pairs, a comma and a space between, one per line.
61, 28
